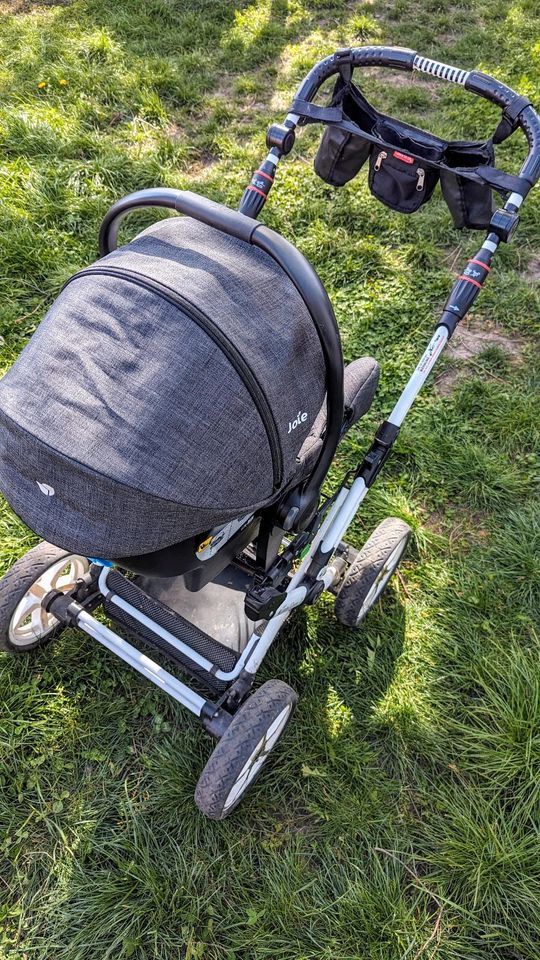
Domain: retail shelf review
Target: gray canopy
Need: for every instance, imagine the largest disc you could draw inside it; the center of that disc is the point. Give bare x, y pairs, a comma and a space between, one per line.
168, 389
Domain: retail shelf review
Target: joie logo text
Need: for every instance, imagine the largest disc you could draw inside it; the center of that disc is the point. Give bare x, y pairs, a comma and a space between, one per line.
300, 418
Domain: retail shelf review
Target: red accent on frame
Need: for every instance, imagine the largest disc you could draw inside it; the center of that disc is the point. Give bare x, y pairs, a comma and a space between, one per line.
263, 174
469, 280
480, 264
256, 189
402, 156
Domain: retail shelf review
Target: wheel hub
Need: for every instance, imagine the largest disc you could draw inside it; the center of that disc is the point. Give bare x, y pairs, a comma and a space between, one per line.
30, 622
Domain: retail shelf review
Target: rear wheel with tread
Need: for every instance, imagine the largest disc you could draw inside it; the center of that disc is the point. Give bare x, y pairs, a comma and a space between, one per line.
243, 749
24, 624
370, 572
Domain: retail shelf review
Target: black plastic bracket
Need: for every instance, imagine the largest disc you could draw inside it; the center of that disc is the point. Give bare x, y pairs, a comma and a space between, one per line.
280, 136
450, 321
62, 606
215, 720
262, 601
298, 509
504, 224
378, 452
315, 588
267, 593
238, 691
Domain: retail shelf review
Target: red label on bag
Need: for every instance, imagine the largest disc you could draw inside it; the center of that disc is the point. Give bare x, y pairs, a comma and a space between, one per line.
402, 156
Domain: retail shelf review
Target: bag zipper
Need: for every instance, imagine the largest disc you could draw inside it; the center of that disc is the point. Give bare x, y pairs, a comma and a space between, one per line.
420, 173
221, 339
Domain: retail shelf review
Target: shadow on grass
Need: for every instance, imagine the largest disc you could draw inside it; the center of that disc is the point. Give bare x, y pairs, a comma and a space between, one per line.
408, 779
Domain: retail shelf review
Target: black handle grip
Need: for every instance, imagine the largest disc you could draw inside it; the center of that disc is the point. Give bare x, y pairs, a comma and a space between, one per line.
530, 124
491, 89
397, 57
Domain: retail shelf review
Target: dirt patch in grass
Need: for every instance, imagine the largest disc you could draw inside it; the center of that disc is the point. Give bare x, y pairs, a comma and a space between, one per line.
203, 165
301, 822
459, 527
472, 341
175, 132
25, 6
532, 273
468, 343
402, 79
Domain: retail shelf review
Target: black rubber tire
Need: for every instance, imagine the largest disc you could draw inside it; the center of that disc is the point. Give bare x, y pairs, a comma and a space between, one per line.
367, 567
232, 752
16, 582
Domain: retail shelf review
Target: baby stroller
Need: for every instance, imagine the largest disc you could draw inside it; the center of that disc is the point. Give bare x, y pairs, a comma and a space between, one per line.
168, 429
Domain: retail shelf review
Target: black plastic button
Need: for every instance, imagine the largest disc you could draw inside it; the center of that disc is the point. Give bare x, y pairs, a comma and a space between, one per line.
504, 223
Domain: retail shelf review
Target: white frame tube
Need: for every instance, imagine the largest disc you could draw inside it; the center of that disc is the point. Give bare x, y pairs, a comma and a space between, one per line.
140, 662
424, 367
358, 490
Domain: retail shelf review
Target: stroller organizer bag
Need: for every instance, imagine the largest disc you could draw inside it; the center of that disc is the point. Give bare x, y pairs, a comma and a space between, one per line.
171, 427
169, 389
405, 163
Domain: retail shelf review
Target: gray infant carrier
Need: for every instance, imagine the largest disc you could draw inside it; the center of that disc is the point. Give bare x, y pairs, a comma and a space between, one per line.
169, 388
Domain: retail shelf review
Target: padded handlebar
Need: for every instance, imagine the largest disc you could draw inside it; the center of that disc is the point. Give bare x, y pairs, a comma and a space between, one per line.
400, 58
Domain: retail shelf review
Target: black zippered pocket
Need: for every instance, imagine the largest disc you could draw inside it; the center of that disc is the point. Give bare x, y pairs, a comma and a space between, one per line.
340, 156
398, 177
400, 181
227, 347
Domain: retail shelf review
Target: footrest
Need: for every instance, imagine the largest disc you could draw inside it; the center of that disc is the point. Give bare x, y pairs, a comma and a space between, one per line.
218, 656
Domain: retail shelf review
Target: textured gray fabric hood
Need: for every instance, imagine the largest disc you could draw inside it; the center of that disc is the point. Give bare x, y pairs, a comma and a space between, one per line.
168, 389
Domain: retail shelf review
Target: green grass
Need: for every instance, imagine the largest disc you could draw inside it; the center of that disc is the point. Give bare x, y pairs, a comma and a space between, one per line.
401, 818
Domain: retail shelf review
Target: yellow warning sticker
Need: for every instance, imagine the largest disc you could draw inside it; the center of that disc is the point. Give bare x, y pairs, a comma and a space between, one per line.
202, 546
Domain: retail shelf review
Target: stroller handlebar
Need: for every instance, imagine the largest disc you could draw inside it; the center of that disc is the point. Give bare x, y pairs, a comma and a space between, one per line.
513, 104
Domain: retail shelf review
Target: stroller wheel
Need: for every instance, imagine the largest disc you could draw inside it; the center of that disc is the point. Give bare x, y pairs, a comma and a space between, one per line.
243, 749
369, 574
24, 625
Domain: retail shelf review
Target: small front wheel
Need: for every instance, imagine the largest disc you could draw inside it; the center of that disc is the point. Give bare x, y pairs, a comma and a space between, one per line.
369, 574
243, 749
24, 624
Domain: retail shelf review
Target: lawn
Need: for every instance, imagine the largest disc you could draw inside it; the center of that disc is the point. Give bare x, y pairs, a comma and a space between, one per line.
400, 818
